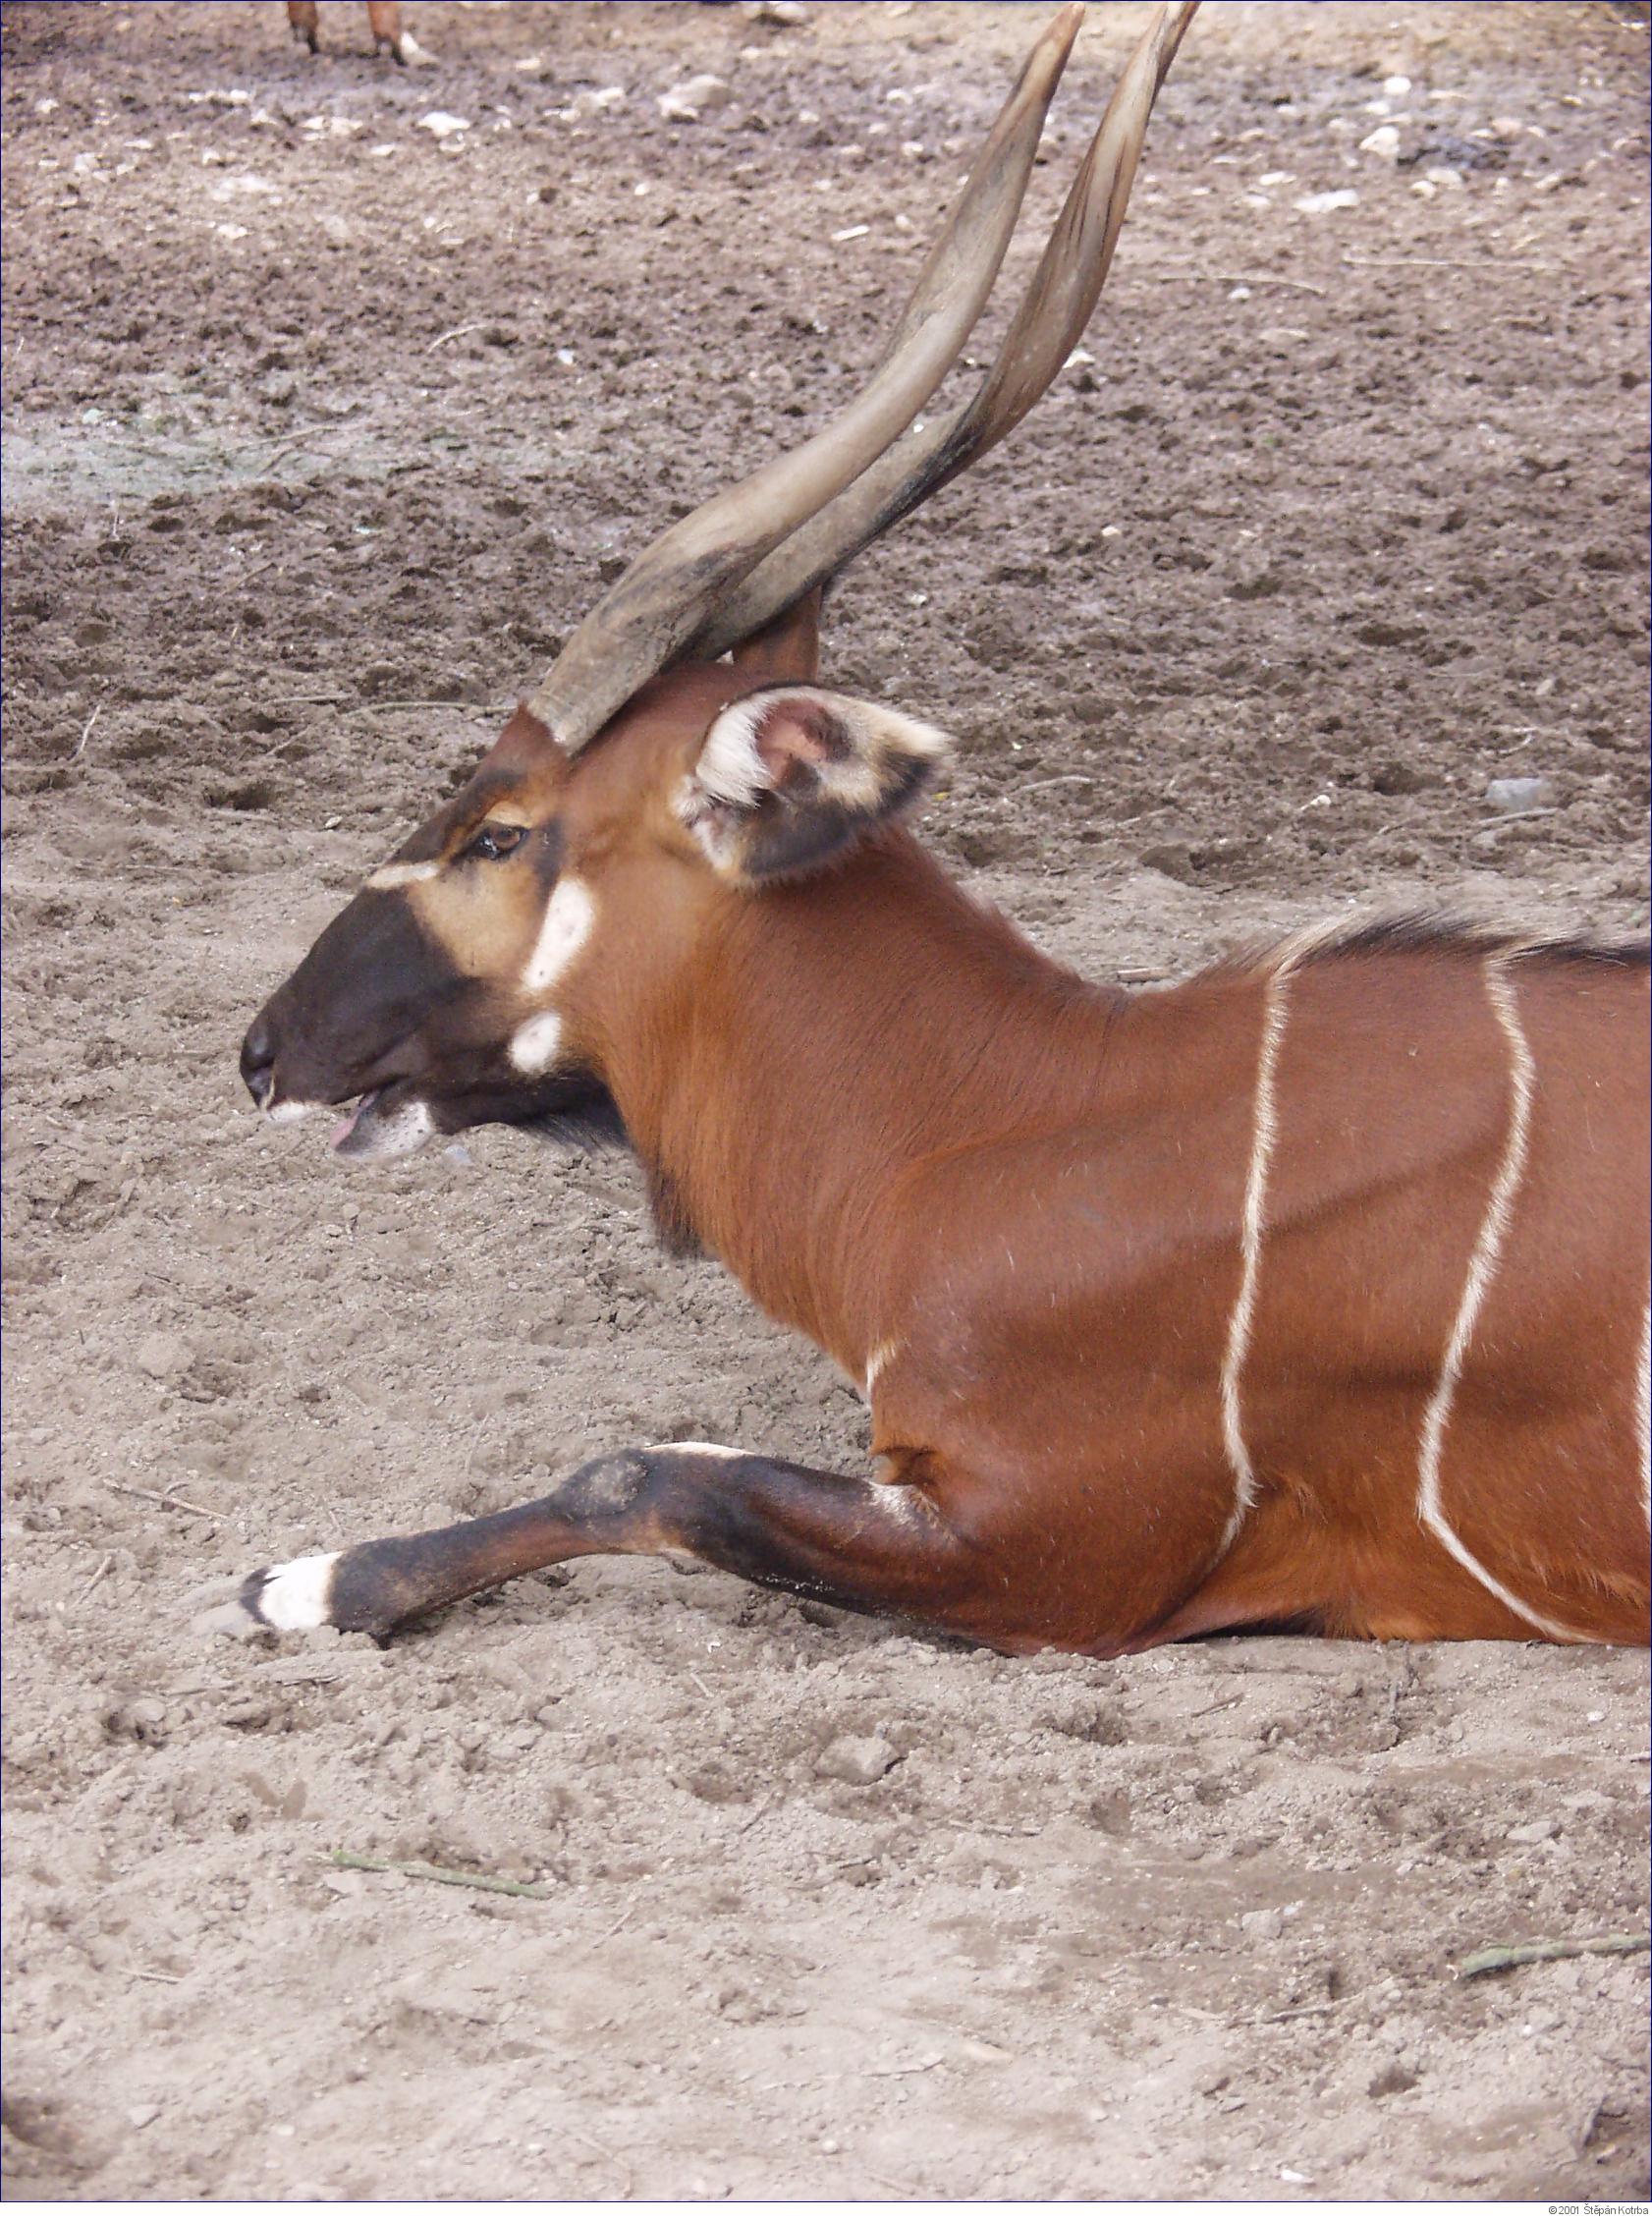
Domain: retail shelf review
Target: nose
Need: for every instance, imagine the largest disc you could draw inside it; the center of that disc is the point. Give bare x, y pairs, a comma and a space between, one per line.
257, 1061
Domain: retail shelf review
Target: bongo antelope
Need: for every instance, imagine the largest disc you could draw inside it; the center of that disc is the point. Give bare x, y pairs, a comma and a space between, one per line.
384, 20
1312, 1292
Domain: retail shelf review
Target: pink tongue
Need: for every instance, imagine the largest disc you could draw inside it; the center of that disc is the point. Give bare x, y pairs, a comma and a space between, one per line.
346, 1126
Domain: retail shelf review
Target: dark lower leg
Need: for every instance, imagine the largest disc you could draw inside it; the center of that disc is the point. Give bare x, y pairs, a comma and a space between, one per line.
384, 20
863, 1545
301, 17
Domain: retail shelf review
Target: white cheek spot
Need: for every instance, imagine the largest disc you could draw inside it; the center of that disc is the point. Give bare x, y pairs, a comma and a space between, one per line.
390, 875
569, 918
289, 1114
534, 1046
298, 1594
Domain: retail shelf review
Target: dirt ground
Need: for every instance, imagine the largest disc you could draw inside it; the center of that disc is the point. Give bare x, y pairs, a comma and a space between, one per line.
321, 429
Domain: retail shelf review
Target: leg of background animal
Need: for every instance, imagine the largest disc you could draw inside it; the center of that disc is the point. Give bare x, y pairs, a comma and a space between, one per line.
301, 17
384, 20
869, 1546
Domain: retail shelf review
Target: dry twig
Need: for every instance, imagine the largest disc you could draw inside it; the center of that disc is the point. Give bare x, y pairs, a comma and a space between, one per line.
1496, 1958
168, 1499
417, 1870
86, 729
86, 1590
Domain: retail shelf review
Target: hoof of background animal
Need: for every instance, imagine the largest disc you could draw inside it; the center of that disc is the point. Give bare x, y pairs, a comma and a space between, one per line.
275, 1600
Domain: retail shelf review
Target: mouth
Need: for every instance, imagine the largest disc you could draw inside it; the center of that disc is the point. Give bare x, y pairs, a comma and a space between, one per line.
389, 1121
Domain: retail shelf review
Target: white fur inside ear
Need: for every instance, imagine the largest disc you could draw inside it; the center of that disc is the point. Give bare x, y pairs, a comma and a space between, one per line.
732, 776
730, 769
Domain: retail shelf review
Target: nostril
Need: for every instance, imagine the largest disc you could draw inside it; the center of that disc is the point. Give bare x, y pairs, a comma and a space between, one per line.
258, 1063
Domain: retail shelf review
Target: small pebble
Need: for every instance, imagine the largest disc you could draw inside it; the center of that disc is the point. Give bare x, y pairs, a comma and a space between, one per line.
440, 125
1383, 142
861, 1759
1516, 797
1534, 1831
1321, 203
141, 2115
163, 1357
695, 97
1267, 1925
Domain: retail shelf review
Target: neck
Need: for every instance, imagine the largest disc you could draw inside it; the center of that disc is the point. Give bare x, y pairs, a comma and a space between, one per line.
825, 1039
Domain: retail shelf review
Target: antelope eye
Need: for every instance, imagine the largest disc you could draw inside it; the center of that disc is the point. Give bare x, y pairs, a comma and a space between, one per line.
496, 841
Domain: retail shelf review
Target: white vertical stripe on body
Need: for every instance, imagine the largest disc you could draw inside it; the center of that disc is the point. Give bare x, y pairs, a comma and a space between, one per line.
1643, 1412
1484, 1259
1264, 1132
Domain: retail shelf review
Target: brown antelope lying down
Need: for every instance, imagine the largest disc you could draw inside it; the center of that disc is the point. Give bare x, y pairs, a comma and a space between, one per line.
1313, 1292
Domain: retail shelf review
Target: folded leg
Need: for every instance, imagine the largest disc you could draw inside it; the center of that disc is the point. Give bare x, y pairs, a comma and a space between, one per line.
870, 1546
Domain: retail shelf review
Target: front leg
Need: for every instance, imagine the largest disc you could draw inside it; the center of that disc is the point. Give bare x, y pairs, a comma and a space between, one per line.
870, 1546
384, 20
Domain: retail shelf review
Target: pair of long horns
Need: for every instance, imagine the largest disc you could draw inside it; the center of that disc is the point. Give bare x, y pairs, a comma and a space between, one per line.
718, 574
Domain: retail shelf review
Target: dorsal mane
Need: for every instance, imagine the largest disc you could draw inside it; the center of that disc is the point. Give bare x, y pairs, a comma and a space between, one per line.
1435, 934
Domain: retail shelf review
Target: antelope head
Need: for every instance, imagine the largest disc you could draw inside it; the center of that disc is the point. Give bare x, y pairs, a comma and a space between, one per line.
679, 757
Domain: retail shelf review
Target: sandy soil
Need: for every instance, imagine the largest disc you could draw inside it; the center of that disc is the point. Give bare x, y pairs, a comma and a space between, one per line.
320, 433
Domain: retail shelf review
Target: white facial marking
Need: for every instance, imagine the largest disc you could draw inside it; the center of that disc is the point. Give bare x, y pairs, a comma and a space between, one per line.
402, 875
407, 1129
534, 1046
569, 918
1483, 1262
1264, 1132
300, 1593
289, 1114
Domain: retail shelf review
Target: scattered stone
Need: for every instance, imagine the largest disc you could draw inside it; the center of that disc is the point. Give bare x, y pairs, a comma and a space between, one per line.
695, 97
1398, 777
1383, 142
1172, 857
141, 2115
1534, 1831
1396, 88
1266, 1926
1516, 798
791, 13
163, 1357
592, 100
981, 2053
440, 125
859, 1759
1322, 204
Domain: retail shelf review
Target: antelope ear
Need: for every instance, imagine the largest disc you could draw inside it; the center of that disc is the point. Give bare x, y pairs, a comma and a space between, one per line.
792, 777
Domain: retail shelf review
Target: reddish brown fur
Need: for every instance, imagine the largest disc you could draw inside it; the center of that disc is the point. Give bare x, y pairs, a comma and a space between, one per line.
1310, 1292
1017, 1198
384, 20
